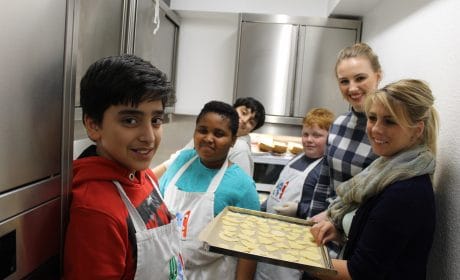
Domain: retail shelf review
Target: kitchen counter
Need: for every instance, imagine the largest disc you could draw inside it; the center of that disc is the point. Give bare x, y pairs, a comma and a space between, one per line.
257, 137
267, 165
272, 158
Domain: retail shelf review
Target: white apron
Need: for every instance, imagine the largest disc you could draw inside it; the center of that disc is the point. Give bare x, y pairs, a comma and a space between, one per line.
288, 187
194, 210
158, 249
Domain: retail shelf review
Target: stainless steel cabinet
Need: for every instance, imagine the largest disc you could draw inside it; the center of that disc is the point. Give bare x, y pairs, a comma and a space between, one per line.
267, 63
124, 26
159, 48
288, 63
316, 85
101, 32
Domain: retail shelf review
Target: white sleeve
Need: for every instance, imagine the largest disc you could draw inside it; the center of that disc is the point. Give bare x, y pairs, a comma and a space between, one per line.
240, 154
173, 156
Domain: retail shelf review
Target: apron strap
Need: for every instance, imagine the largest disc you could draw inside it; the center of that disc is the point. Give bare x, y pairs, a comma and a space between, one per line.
218, 177
312, 165
307, 170
155, 186
181, 171
215, 180
138, 223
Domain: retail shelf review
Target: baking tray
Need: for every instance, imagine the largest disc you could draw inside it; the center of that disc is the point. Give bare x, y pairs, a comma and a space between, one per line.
265, 237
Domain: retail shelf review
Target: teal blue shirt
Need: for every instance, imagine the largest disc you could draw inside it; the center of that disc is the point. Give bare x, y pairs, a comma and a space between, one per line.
235, 189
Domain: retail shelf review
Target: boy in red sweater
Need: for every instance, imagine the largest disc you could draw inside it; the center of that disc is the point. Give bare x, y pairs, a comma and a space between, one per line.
119, 226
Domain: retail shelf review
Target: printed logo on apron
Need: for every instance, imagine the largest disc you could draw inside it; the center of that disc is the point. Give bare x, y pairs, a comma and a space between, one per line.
182, 222
289, 184
176, 268
280, 189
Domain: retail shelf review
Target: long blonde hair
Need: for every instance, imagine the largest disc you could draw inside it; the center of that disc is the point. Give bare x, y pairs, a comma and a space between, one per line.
410, 101
359, 50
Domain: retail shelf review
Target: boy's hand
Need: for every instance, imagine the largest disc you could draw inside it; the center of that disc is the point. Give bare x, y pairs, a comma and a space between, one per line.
287, 209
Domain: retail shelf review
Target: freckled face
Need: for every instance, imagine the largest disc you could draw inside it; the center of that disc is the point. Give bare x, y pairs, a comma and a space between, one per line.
314, 141
387, 137
129, 135
213, 139
356, 79
246, 120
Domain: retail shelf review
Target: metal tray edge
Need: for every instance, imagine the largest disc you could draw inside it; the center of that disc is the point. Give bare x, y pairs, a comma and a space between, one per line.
329, 270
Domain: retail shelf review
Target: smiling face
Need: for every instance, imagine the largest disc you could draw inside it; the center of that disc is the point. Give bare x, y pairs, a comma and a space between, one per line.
387, 137
247, 120
356, 79
314, 140
213, 139
128, 135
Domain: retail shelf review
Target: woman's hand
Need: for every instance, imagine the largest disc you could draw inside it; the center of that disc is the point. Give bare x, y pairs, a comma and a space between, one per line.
324, 232
319, 217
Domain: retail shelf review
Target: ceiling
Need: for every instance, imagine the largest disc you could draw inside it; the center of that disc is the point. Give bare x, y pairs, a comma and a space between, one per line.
354, 7
309, 8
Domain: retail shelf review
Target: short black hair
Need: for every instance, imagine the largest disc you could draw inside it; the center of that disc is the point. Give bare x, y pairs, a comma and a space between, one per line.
123, 79
223, 109
255, 107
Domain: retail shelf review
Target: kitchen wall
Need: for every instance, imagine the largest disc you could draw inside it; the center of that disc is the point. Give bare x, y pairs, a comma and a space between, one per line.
421, 39
177, 132
208, 41
206, 60
417, 39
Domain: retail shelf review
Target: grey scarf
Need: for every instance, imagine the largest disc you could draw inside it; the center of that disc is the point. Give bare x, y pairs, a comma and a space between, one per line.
376, 177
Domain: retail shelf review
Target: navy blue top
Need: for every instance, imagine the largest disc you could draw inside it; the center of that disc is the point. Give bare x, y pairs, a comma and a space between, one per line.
391, 233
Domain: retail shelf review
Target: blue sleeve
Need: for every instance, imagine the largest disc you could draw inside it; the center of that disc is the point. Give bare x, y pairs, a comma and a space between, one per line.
236, 189
250, 198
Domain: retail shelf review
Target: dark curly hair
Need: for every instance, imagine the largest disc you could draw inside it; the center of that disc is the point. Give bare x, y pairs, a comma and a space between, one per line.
255, 107
223, 109
124, 79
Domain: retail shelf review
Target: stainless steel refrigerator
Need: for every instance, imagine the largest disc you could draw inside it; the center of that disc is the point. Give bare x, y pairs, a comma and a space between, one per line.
32, 115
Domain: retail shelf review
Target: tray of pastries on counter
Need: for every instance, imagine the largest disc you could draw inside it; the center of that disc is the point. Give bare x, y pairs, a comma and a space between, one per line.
265, 143
266, 237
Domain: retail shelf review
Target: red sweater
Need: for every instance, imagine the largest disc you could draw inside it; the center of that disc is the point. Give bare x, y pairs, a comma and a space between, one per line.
99, 243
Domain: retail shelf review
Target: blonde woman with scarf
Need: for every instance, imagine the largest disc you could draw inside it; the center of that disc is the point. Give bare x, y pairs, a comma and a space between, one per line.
385, 215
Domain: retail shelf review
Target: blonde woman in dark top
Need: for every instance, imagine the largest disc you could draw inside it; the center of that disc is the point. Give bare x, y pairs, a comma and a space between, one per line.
387, 211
